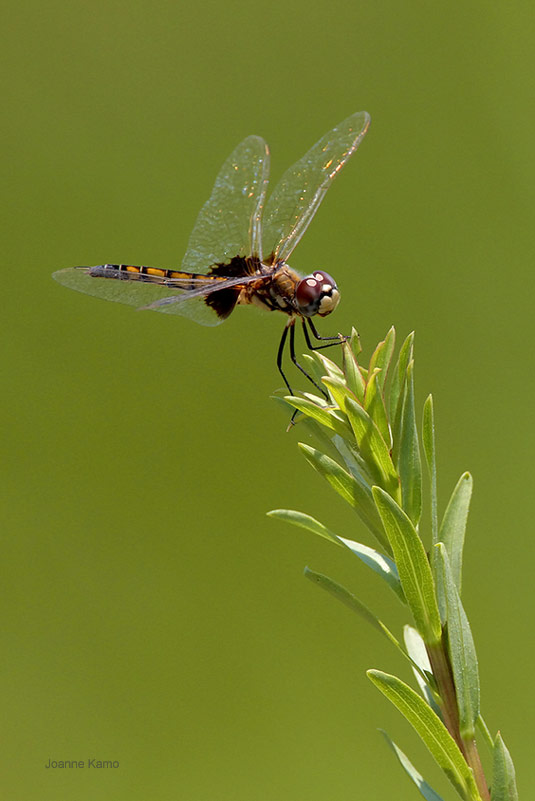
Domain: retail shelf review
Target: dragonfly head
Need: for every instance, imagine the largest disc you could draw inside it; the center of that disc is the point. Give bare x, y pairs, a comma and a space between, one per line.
317, 293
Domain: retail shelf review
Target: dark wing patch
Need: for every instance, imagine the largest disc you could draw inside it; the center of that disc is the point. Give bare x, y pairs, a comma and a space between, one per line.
223, 301
237, 266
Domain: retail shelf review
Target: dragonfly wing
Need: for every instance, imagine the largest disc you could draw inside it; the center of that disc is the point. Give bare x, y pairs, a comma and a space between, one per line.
296, 198
229, 223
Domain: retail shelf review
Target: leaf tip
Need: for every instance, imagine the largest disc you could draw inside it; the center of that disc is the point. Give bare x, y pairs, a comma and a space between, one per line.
305, 448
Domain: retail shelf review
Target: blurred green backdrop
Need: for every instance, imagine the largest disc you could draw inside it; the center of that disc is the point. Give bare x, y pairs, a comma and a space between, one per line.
151, 613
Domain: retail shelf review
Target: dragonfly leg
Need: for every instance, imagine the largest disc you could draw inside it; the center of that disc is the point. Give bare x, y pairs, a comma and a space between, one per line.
294, 360
280, 354
336, 340
290, 326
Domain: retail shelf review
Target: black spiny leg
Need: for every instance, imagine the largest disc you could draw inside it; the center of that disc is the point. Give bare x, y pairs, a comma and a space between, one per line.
294, 360
280, 353
290, 326
336, 340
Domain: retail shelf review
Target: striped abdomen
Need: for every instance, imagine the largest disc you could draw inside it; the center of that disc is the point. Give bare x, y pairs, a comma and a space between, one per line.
155, 275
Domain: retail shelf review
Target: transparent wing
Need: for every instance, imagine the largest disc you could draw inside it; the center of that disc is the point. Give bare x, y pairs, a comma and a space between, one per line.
169, 298
298, 194
229, 223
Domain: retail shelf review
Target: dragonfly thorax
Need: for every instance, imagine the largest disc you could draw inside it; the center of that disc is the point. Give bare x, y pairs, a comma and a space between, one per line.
317, 293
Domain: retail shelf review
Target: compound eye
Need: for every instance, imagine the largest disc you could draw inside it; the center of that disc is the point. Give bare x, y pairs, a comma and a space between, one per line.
316, 294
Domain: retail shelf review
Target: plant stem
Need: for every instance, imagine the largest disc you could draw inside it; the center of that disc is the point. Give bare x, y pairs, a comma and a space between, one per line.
441, 668
473, 759
446, 690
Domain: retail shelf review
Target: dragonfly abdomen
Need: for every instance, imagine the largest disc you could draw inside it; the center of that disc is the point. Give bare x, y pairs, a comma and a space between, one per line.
128, 272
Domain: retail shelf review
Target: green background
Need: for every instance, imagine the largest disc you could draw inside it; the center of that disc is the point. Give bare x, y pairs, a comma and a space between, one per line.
151, 613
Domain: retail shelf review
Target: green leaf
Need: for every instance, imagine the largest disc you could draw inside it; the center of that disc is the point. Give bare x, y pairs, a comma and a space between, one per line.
398, 384
413, 566
324, 437
409, 462
504, 781
453, 525
378, 562
352, 460
375, 406
425, 789
352, 602
416, 649
331, 368
428, 437
305, 521
432, 731
353, 376
372, 447
339, 391
349, 488
313, 367
327, 417
354, 341
382, 355
462, 651
484, 732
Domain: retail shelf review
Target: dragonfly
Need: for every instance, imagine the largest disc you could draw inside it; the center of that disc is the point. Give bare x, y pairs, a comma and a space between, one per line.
239, 248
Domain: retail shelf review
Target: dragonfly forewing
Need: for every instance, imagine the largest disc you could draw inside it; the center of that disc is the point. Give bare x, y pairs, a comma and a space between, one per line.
296, 198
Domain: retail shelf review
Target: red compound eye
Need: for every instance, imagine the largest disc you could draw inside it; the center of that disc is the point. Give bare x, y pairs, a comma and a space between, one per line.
316, 294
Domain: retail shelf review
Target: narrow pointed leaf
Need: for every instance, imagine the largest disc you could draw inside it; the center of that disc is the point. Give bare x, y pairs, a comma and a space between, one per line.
339, 391
375, 406
309, 523
428, 438
313, 367
409, 462
425, 789
483, 729
398, 384
413, 566
353, 461
331, 368
305, 521
382, 355
453, 526
416, 649
430, 728
352, 602
335, 447
319, 400
354, 341
378, 562
324, 437
372, 447
327, 417
462, 651
504, 780
359, 497
353, 376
